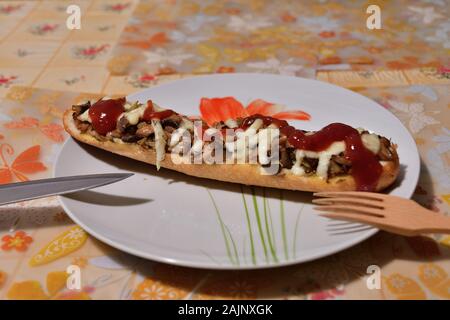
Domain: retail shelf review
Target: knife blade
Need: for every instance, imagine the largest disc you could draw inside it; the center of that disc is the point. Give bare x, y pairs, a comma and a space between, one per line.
21, 191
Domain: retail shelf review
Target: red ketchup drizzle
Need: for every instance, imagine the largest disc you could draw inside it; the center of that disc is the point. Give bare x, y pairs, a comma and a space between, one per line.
150, 114
366, 169
104, 114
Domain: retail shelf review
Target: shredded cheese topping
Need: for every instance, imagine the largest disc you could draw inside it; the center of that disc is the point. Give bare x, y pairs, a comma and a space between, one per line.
371, 142
85, 116
134, 115
160, 142
323, 156
246, 140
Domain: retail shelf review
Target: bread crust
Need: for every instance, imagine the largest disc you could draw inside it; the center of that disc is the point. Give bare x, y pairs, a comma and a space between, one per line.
247, 174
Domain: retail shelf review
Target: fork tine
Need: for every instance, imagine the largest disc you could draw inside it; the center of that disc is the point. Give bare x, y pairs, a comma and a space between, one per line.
345, 232
340, 223
356, 194
351, 226
354, 217
354, 210
350, 201
369, 220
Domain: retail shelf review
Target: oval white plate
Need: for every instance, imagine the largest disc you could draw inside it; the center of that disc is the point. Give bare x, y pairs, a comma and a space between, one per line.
173, 218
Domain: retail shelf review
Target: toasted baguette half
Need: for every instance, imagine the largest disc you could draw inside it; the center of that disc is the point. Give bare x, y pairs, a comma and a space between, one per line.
247, 174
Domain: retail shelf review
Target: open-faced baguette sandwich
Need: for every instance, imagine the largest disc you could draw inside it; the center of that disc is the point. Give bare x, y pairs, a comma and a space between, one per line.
335, 158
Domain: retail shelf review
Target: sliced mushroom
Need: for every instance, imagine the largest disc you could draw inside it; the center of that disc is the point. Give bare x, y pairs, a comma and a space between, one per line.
173, 121
310, 164
385, 153
334, 169
131, 129
115, 134
122, 124
82, 126
285, 158
341, 159
144, 130
169, 129
80, 108
130, 137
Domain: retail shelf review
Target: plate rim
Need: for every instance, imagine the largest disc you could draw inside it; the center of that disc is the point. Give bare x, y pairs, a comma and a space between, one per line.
204, 265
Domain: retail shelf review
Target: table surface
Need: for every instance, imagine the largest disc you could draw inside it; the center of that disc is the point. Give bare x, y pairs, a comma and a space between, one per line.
125, 46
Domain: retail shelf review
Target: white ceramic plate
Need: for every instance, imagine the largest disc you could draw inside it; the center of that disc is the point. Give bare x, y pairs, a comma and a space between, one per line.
170, 217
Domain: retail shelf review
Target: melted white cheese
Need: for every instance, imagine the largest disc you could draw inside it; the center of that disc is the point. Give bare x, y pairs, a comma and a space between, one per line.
187, 124
134, 115
241, 151
297, 169
135, 111
128, 106
263, 146
210, 132
323, 156
245, 140
231, 123
197, 147
248, 139
371, 142
256, 124
160, 142
85, 116
176, 136
117, 140
230, 146
266, 139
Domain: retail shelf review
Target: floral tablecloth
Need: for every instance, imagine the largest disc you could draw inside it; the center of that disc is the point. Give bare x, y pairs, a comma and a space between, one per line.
123, 45
127, 45
39, 241
290, 37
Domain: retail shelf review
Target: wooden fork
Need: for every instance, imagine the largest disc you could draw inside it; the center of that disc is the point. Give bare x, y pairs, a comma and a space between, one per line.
390, 213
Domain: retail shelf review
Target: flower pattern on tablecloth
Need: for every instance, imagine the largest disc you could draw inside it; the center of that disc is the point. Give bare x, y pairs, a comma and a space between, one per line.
24, 164
3, 277
7, 81
7, 9
89, 52
81, 262
52, 131
150, 289
143, 80
435, 279
18, 241
117, 7
55, 289
65, 243
43, 29
404, 288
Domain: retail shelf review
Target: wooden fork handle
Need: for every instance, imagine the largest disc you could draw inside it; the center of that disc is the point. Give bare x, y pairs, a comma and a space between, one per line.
436, 223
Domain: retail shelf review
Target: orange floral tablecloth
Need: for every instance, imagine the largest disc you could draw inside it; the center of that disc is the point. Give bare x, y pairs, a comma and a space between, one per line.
38, 240
128, 45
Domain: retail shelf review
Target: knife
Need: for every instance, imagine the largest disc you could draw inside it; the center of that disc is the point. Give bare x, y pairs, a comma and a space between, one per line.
15, 192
